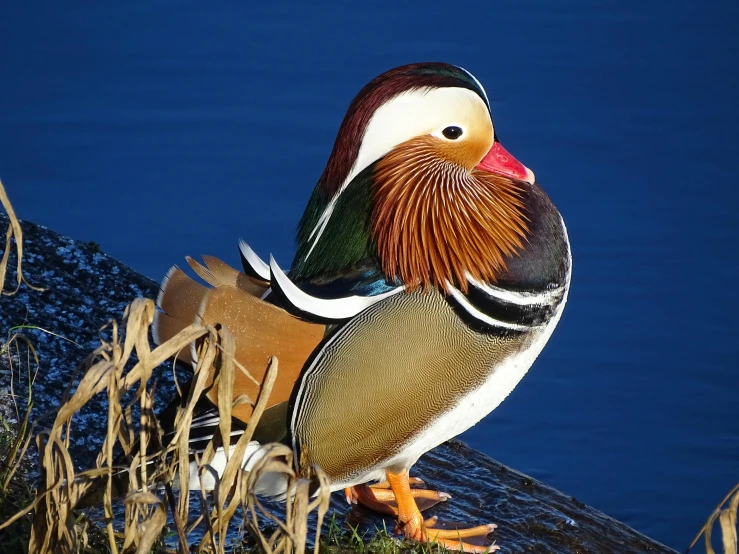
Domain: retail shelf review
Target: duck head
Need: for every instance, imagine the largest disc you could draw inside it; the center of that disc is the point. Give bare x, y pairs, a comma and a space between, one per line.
417, 180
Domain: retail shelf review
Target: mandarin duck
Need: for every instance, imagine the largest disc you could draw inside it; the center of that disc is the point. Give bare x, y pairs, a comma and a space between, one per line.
430, 271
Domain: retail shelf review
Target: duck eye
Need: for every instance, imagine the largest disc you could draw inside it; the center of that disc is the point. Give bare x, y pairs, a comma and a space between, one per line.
452, 133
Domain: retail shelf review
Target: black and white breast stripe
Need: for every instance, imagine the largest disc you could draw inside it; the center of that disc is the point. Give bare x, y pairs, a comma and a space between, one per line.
501, 310
498, 309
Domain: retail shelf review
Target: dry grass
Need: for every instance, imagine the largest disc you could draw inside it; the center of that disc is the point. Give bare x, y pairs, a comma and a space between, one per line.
726, 514
122, 369
15, 438
14, 229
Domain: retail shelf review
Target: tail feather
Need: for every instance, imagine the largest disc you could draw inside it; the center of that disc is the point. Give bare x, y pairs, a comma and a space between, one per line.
218, 273
179, 302
180, 296
260, 329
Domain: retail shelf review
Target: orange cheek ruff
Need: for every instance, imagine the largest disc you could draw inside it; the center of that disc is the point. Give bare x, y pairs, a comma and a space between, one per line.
435, 222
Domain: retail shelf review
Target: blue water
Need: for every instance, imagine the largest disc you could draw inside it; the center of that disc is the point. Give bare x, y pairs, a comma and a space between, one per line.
190, 125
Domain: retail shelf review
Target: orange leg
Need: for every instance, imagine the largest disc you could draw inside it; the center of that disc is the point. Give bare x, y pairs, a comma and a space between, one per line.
411, 522
367, 496
380, 498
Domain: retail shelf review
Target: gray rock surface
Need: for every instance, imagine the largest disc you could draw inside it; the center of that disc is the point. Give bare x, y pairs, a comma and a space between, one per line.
86, 288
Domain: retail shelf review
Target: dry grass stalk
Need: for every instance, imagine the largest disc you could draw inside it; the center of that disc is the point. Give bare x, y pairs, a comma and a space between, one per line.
291, 534
13, 487
112, 369
15, 491
23, 435
727, 520
14, 229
